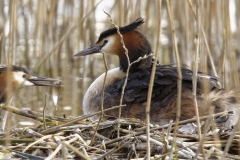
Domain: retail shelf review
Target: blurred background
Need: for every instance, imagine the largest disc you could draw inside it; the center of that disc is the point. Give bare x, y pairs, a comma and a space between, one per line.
43, 36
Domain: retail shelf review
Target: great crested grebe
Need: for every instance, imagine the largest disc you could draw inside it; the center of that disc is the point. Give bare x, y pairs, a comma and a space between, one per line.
16, 77
164, 95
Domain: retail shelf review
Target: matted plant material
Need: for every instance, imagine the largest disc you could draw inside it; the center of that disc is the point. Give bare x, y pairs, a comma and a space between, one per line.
74, 140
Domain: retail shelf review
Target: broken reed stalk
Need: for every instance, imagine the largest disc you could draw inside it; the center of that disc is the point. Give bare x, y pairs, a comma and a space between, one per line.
149, 98
29, 131
31, 114
69, 146
128, 61
37, 141
102, 97
179, 81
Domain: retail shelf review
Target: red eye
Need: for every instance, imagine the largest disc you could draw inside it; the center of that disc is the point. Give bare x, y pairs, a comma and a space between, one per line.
24, 76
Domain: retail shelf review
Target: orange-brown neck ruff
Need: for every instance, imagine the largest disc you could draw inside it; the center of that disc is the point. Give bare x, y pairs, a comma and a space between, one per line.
138, 46
6, 81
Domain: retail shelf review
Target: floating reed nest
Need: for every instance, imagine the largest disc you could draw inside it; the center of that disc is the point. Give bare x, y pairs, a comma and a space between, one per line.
81, 138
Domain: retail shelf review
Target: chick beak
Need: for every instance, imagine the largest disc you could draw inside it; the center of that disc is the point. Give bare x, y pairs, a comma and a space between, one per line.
90, 50
43, 81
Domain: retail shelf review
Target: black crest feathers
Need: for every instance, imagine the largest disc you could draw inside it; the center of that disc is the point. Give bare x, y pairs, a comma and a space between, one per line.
14, 69
124, 29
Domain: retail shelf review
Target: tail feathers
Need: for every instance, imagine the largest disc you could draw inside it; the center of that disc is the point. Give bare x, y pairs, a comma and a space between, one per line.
226, 100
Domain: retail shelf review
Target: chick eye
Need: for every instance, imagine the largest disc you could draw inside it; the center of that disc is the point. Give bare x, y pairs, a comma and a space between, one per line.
24, 76
105, 41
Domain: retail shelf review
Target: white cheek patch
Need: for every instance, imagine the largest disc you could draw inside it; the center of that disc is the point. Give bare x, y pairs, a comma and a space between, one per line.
21, 81
108, 46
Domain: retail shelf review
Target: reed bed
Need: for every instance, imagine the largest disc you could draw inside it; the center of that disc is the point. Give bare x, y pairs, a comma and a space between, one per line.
43, 36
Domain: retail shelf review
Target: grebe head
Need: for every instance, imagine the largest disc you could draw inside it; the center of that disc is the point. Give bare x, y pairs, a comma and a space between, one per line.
21, 76
136, 43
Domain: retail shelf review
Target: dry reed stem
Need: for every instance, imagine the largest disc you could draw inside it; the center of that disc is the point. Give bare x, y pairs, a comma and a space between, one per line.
57, 149
12, 34
44, 108
115, 149
37, 141
102, 125
104, 82
231, 52
195, 75
208, 122
128, 61
179, 81
11, 140
65, 152
95, 131
129, 64
102, 96
223, 60
205, 41
33, 133
30, 114
149, 97
79, 119
230, 139
69, 146
99, 136
4, 121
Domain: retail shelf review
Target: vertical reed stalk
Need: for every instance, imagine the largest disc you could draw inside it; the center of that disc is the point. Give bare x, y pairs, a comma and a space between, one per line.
179, 81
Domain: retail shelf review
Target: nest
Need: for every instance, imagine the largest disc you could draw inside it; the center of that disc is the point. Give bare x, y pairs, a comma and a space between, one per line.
80, 138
